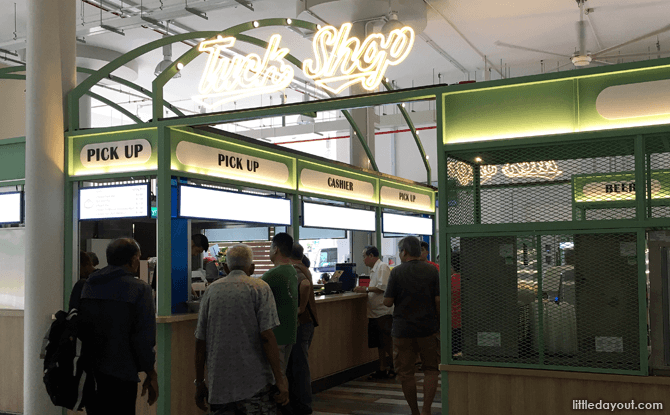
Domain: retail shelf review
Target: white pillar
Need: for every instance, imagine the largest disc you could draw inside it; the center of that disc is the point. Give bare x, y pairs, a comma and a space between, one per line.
50, 73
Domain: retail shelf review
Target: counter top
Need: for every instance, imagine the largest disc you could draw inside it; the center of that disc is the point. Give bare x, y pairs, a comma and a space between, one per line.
175, 318
338, 297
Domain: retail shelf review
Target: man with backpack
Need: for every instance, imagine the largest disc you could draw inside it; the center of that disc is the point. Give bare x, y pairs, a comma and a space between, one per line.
118, 330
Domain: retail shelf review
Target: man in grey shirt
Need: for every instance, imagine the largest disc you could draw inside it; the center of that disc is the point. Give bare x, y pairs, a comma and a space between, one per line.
414, 289
234, 338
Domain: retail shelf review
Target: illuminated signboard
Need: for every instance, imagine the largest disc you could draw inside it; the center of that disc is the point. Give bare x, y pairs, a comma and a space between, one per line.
333, 185
232, 165
619, 187
407, 225
339, 62
116, 153
315, 215
391, 196
10, 208
198, 202
114, 202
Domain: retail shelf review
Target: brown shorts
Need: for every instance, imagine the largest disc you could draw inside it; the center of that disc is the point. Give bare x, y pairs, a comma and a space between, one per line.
405, 352
379, 331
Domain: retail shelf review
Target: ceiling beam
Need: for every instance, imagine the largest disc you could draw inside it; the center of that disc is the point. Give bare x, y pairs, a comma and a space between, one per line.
472, 46
442, 52
133, 19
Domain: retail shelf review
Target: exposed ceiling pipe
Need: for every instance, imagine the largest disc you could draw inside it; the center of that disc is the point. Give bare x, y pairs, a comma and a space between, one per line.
472, 46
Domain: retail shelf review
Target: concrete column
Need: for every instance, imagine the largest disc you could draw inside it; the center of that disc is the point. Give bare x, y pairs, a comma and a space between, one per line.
364, 117
50, 73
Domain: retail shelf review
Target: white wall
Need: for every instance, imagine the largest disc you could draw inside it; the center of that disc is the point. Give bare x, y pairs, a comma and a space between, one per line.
12, 267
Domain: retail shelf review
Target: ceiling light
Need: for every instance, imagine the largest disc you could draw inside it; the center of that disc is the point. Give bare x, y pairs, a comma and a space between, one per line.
180, 66
289, 21
256, 24
392, 23
167, 56
318, 27
478, 159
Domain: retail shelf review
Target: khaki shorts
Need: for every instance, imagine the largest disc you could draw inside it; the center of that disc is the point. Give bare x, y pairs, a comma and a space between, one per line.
405, 351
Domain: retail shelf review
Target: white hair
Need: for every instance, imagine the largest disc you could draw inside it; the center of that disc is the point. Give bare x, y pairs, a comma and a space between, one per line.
239, 257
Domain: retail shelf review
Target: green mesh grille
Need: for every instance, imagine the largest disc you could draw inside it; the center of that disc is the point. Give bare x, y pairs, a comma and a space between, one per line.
657, 176
538, 184
549, 300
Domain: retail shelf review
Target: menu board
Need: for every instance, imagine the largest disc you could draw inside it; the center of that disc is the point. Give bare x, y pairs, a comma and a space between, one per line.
406, 225
198, 202
337, 217
114, 202
10, 207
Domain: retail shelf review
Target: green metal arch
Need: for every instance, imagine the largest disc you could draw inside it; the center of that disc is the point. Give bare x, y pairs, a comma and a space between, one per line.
89, 93
115, 106
410, 124
162, 79
8, 73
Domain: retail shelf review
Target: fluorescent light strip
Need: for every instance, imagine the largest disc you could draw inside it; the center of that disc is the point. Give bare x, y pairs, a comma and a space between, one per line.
10, 207
336, 217
197, 202
409, 225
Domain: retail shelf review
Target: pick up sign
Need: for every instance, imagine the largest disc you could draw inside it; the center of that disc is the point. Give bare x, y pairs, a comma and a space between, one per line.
116, 153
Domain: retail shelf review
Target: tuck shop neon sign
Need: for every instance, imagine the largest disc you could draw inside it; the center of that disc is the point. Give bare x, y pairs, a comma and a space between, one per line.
339, 62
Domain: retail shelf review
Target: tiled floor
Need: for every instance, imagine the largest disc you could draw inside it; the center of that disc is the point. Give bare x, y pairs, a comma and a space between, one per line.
363, 397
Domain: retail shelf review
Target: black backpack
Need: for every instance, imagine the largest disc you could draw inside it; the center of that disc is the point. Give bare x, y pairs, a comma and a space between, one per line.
67, 373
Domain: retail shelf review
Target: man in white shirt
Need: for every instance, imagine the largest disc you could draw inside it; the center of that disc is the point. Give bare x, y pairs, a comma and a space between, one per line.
380, 317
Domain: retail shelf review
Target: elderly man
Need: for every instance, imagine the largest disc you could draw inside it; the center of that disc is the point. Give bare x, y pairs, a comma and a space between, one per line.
414, 290
380, 319
235, 338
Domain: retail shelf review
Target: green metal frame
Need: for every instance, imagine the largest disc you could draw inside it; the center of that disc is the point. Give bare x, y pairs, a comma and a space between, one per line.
579, 82
9, 73
415, 135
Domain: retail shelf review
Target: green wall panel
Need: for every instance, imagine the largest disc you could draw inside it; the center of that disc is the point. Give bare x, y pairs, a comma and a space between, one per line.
515, 111
12, 159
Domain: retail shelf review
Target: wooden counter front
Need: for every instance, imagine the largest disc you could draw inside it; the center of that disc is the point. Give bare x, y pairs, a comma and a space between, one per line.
341, 340
475, 390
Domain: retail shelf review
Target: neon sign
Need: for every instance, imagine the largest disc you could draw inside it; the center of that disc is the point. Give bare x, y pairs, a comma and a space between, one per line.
540, 169
348, 61
463, 172
226, 79
339, 62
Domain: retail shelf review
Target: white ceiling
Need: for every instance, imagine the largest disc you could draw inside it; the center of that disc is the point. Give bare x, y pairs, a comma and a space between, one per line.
548, 25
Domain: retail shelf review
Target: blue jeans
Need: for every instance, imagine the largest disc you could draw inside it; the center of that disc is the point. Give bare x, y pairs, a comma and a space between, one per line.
299, 377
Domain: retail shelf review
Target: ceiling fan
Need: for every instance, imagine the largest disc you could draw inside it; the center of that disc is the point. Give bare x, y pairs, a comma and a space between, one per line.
583, 58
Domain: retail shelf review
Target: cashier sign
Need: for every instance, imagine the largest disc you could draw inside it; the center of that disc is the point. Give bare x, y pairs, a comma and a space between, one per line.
339, 62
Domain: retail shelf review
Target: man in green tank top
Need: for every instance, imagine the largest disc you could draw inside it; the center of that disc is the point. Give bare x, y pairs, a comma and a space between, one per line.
283, 281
